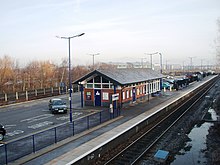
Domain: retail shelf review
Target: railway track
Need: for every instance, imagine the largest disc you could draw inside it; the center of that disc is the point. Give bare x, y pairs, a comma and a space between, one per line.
140, 146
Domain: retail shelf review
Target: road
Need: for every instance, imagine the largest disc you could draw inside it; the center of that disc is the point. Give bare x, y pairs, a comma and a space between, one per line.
29, 117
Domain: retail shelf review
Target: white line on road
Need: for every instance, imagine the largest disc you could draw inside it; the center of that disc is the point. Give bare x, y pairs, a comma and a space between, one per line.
35, 126
12, 125
36, 118
15, 132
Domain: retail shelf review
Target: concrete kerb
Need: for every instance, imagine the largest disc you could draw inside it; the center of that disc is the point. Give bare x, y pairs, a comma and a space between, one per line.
61, 143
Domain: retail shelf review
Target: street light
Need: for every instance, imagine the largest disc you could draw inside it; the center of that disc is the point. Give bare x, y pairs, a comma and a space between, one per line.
151, 60
161, 70
191, 63
93, 58
70, 81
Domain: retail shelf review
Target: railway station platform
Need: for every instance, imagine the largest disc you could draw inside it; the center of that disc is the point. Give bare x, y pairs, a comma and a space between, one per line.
81, 145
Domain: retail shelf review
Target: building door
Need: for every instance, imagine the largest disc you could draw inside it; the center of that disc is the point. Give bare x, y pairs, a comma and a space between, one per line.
134, 94
97, 97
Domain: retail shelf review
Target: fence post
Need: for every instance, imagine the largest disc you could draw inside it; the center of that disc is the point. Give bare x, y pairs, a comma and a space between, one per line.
55, 134
16, 95
35, 92
87, 122
100, 117
44, 91
59, 90
26, 95
34, 150
73, 128
6, 154
6, 97
52, 90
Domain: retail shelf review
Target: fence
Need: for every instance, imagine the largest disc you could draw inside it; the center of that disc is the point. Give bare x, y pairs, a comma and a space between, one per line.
9, 98
16, 149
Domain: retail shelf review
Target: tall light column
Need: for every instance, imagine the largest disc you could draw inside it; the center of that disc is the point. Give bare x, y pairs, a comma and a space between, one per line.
70, 81
151, 58
191, 63
93, 58
161, 65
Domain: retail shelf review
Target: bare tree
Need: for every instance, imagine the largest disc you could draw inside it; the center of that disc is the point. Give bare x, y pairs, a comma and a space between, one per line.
6, 72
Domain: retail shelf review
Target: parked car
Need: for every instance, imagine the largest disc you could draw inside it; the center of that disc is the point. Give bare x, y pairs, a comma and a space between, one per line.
166, 85
57, 106
2, 132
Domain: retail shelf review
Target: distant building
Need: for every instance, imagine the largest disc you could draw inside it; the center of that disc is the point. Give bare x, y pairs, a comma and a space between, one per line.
121, 65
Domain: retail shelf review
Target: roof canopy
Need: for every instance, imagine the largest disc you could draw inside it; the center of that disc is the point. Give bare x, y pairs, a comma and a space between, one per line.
123, 76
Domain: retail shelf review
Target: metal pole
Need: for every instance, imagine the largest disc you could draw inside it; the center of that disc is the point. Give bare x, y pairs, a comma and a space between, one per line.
70, 85
161, 70
93, 58
70, 81
151, 58
81, 89
151, 61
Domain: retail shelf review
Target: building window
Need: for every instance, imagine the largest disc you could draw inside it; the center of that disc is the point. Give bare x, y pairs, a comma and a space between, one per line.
90, 81
150, 91
147, 88
97, 85
88, 96
141, 90
127, 94
123, 95
105, 85
104, 80
89, 85
131, 93
105, 96
97, 79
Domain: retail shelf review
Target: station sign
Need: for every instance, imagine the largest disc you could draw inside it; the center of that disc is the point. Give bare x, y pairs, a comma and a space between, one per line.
115, 97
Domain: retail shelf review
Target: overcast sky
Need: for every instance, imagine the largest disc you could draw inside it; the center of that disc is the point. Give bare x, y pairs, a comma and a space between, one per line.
120, 30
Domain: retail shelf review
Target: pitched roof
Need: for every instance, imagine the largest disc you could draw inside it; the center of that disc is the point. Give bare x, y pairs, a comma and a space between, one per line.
124, 76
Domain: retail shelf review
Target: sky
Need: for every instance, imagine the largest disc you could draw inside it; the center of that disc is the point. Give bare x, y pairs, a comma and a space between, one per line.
119, 30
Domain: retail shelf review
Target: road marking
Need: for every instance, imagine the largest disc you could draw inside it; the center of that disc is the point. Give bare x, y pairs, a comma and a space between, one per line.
43, 124
15, 132
77, 113
67, 117
10, 125
63, 118
36, 118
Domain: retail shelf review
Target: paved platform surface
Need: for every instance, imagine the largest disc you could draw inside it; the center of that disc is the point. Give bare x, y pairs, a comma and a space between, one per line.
83, 142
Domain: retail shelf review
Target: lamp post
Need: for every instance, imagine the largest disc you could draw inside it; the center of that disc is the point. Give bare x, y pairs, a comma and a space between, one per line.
191, 63
93, 58
70, 81
161, 66
151, 59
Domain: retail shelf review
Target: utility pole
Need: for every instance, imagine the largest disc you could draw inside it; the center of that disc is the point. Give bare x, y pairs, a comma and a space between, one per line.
93, 58
70, 81
191, 63
151, 58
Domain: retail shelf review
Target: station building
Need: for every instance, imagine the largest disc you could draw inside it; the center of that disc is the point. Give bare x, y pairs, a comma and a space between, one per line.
102, 87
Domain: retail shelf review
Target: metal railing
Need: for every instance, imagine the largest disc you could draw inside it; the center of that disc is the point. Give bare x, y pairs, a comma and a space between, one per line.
21, 147
10, 98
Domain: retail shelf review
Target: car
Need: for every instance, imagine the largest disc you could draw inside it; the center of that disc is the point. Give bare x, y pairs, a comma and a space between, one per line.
2, 132
57, 105
166, 85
